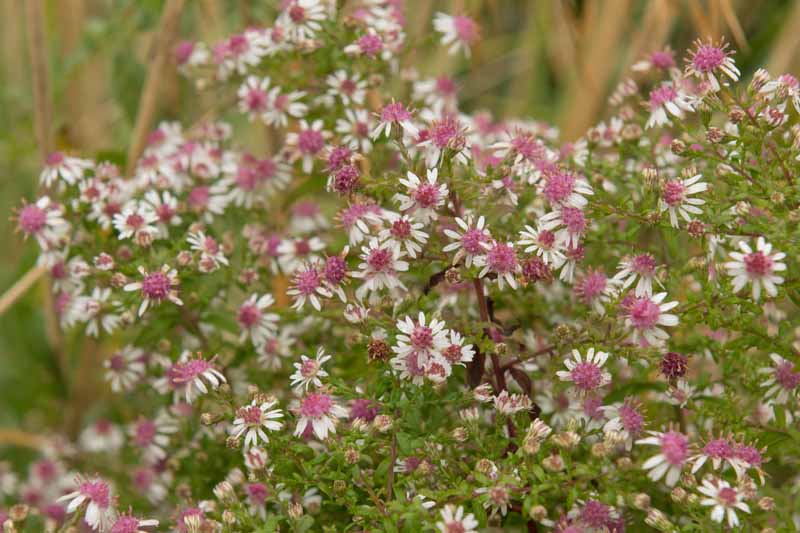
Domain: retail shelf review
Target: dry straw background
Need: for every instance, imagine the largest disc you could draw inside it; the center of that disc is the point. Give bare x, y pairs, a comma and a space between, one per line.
93, 77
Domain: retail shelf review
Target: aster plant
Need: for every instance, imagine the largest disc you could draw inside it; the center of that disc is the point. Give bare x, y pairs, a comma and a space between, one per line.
510, 330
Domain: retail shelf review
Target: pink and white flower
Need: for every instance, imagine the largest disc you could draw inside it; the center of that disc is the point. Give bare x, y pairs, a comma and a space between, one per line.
459, 32
193, 376
156, 287
406, 233
125, 368
646, 314
96, 494
675, 198
710, 62
68, 169
394, 113
308, 284
423, 197
254, 323
45, 221
252, 420
309, 371
782, 380
544, 244
320, 411
307, 143
674, 450
470, 244
641, 267
303, 19
380, 266
757, 267
724, 501
501, 260
282, 105
355, 128
254, 96
348, 88
667, 100
127, 523
455, 521
586, 374
424, 339
562, 187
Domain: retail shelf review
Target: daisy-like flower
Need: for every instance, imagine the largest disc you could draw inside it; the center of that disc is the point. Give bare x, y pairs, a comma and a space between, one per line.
309, 371
348, 88
381, 263
308, 284
294, 253
156, 287
127, 523
302, 19
94, 310
239, 53
134, 220
646, 314
391, 114
667, 100
44, 220
717, 451
625, 419
355, 128
641, 267
544, 244
254, 322
455, 521
785, 86
497, 498
565, 188
586, 374
61, 166
405, 233
281, 106
456, 352
675, 198
101, 437
253, 419
724, 500
320, 411
758, 267
424, 197
254, 96
153, 436
96, 494
470, 244
211, 254
370, 44
125, 368
193, 376
570, 222
782, 379
674, 449
307, 143
165, 207
663, 60
501, 260
710, 61
359, 219
459, 32
595, 289
417, 336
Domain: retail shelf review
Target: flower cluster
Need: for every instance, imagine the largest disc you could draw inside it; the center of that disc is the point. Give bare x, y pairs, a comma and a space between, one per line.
506, 329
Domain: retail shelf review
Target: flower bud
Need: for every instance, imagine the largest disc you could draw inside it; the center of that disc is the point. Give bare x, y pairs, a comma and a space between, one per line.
460, 434
766, 503
658, 520
295, 510
678, 494
678, 147
382, 423
537, 513
224, 492
641, 501
453, 276
351, 456
553, 463
228, 517
18, 512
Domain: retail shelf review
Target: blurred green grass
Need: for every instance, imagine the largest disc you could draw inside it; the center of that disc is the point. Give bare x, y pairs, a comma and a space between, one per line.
553, 60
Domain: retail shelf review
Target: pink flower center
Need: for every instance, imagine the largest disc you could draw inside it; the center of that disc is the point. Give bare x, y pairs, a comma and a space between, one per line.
380, 259
674, 447
134, 221
786, 376
335, 270
145, 432
346, 179
748, 454
198, 197
370, 44
644, 313
727, 496
339, 157
443, 131
297, 14
673, 193
546, 239
55, 159
452, 353
310, 141
757, 264
422, 338
182, 373
644, 265
281, 102
502, 258
257, 493
596, 514
592, 286
316, 405
527, 147
165, 213
302, 248
96, 491
587, 376
126, 524
631, 419
445, 86
401, 229
249, 315
256, 100
309, 368
307, 281
32, 219
395, 112
413, 366
454, 527
559, 187
662, 60
574, 220
250, 414
348, 86
718, 448
156, 286
662, 95
238, 45
472, 241
708, 58
466, 28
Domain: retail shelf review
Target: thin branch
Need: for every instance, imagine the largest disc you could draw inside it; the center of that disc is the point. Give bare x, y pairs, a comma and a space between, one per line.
22, 285
155, 74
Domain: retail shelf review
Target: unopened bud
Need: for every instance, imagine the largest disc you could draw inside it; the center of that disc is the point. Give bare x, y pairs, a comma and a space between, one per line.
295, 510
538, 513
382, 423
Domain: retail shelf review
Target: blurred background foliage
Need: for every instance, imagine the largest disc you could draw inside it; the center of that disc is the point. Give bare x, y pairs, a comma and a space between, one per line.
554, 60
